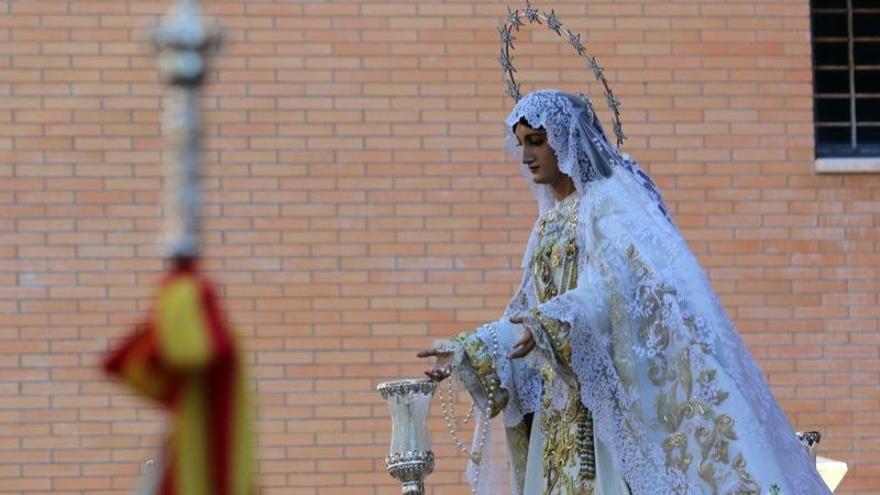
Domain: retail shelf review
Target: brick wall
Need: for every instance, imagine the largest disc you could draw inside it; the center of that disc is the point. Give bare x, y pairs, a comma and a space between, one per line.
359, 206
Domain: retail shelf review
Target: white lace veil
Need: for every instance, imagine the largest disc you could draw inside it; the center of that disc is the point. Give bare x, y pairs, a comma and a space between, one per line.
611, 183
582, 149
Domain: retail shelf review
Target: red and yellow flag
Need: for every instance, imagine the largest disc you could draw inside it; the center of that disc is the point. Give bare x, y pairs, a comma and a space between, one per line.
184, 356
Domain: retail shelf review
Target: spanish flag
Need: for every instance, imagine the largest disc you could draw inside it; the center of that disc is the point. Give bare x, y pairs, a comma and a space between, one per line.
184, 357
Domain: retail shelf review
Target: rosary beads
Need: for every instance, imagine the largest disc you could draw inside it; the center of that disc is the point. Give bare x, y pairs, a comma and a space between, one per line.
447, 404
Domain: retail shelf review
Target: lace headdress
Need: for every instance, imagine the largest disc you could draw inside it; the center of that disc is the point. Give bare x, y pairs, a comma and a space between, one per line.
574, 130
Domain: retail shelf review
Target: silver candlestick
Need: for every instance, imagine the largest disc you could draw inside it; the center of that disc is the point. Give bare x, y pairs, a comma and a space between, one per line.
410, 459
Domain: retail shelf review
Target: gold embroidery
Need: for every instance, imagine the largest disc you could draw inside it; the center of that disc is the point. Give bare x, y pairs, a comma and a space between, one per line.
621, 342
557, 333
748, 485
543, 275
555, 260
677, 443
678, 408
568, 450
554, 263
711, 439
570, 265
484, 368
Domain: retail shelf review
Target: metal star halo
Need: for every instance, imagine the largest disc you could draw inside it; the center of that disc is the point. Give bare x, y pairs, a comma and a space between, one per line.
515, 21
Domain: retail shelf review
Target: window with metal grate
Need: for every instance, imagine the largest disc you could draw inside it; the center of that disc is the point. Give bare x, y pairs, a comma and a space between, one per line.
846, 76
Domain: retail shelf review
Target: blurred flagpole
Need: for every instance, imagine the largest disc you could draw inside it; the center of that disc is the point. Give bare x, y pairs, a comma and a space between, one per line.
184, 355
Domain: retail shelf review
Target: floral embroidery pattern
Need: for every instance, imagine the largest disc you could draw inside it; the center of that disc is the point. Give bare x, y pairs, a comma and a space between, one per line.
686, 399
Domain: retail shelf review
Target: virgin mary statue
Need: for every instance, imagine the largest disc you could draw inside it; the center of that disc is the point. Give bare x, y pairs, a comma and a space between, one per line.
639, 383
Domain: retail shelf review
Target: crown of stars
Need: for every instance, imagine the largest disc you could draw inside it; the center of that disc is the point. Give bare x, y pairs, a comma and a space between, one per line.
533, 16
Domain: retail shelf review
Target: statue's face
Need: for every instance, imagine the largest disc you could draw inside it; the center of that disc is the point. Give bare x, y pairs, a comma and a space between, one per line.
538, 155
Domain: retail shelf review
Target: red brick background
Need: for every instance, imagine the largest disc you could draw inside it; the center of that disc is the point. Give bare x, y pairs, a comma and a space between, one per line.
359, 206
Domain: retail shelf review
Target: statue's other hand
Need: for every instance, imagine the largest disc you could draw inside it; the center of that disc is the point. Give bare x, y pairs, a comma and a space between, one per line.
526, 344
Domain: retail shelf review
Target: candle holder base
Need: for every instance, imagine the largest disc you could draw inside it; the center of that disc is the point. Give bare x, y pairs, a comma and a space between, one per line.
413, 488
411, 469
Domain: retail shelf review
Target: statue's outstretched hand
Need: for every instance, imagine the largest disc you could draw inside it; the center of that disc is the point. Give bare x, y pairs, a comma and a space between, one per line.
526, 344
442, 367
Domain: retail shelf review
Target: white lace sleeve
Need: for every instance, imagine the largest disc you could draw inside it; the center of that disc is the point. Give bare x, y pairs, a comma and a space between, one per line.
496, 382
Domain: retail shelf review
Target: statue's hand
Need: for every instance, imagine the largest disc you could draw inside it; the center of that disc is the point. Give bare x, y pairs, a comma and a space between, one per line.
526, 344
442, 367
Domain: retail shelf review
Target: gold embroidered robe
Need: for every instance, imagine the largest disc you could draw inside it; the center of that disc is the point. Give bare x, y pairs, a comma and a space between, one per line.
567, 441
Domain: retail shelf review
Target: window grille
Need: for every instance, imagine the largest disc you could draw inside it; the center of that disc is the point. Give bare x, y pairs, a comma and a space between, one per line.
846, 75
